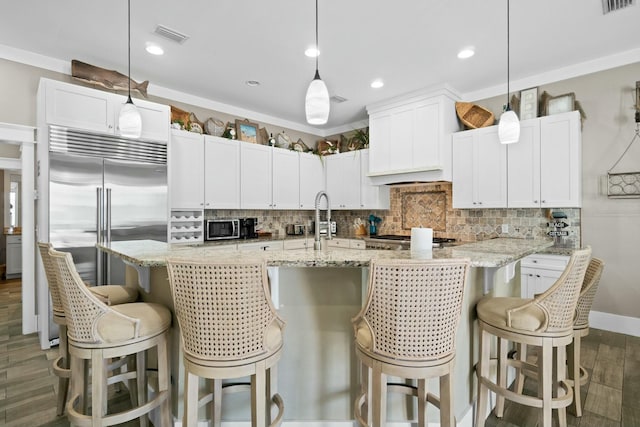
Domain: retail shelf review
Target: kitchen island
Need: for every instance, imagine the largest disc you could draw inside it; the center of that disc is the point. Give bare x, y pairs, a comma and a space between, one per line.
317, 293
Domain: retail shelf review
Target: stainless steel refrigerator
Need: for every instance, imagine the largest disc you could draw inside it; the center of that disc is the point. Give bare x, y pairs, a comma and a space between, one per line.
103, 189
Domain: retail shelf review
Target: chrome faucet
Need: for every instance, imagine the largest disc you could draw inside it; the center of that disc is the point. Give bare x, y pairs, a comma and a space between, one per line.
316, 243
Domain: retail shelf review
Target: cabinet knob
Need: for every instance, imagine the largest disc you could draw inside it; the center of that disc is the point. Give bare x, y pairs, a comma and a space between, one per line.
537, 275
535, 201
543, 201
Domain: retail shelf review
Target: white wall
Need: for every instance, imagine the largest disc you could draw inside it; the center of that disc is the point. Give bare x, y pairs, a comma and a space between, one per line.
610, 226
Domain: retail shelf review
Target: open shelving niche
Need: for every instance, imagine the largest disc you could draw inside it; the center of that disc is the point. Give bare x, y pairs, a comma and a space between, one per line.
187, 226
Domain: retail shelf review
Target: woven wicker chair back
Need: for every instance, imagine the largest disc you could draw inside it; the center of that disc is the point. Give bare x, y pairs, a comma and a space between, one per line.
223, 309
413, 307
560, 300
49, 271
588, 292
82, 309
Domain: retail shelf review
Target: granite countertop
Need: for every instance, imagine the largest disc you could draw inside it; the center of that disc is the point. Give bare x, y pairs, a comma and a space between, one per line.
489, 253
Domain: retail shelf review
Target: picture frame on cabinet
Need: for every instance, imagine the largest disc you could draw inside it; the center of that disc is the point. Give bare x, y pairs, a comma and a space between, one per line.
529, 103
560, 104
247, 131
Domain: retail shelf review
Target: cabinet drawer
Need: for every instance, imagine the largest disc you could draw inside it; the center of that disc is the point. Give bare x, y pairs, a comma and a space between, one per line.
338, 243
549, 262
295, 244
357, 244
12, 239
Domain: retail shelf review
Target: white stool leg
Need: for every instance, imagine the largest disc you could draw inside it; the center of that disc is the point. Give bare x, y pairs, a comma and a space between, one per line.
447, 418
545, 386
483, 372
190, 416
502, 375
379, 396
422, 403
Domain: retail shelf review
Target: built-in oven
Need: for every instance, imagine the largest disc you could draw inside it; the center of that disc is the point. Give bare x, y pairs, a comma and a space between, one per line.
219, 229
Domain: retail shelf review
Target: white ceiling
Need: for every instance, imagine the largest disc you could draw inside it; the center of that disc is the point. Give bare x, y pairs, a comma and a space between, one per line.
410, 44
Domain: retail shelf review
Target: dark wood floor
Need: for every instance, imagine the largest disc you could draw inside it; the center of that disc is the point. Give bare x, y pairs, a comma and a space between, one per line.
28, 386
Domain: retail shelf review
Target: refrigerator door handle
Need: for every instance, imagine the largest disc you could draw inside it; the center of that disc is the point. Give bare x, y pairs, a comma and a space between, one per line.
108, 239
99, 234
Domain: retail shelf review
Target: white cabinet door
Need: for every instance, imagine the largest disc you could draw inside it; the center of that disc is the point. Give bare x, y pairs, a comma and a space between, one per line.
271, 245
255, 176
79, 107
462, 186
14, 256
186, 170
155, 118
286, 179
490, 169
343, 180
371, 196
221, 173
560, 160
523, 158
311, 180
479, 169
539, 272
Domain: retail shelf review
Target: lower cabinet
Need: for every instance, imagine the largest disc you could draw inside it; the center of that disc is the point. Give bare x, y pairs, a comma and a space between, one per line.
14, 256
269, 245
346, 243
538, 272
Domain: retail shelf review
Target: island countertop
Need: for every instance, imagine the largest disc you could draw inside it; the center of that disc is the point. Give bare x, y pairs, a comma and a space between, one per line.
488, 253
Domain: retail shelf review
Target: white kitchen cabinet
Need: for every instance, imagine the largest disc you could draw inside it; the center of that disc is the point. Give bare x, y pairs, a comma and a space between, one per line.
94, 110
221, 173
269, 245
343, 180
545, 164
255, 176
371, 196
561, 160
345, 243
186, 226
539, 271
285, 179
14, 256
312, 180
297, 244
479, 169
186, 170
409, 137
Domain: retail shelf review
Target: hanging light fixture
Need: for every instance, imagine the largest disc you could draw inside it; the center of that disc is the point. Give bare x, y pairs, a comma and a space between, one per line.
316, 103
129, 121
509, 125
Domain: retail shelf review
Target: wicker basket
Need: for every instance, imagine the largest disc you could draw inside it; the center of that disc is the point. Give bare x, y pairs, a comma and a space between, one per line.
474, 116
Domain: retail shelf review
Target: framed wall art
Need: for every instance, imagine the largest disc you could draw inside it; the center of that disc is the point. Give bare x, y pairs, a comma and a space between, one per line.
560, 104
247, 131
529, 104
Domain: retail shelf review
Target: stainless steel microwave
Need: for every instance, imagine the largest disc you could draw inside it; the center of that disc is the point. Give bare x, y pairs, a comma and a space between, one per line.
219, 229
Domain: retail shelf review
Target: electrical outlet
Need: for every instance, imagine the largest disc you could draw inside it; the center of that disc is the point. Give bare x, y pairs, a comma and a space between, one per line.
505, 228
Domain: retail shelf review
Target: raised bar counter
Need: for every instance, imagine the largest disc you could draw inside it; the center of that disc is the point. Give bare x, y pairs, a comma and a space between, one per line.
317, 293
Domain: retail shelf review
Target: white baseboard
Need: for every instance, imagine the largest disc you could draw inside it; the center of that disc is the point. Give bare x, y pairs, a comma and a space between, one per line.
466, 421
615, 323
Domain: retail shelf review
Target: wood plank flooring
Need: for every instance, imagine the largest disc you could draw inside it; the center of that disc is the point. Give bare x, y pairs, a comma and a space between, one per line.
28, 386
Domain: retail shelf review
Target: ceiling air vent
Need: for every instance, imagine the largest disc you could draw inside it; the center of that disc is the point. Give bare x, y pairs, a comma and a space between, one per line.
613, 5
337, 99
170, 34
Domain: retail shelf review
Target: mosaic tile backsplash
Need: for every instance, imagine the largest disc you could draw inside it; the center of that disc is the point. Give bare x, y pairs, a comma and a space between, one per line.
427, 205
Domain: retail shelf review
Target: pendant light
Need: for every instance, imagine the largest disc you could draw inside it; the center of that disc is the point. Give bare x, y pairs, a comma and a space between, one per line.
129, 121
509, 125
316, 103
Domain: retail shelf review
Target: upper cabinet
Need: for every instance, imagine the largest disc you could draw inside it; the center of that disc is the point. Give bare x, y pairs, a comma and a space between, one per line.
312, 180
221, 173
255, 176
479, 169
545, 164
94, 110
348, 185
409, 137
186, 170
541, 170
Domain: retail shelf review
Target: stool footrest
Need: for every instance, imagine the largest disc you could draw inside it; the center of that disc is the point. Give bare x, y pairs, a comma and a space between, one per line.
535, 402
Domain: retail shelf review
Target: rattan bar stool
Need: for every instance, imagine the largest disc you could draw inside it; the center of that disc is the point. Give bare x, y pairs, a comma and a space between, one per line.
229, 329
110, 294
545, 321
407, 328
577, 375
99, 333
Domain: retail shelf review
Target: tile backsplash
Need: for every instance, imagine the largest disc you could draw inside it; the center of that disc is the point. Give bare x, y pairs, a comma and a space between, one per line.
428, 205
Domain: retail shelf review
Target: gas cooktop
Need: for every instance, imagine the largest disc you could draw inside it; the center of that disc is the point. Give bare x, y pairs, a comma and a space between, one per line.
396, 237
394, 241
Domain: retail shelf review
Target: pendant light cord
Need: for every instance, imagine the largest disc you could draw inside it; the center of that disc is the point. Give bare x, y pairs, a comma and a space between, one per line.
317, 48
129, 48
508, 60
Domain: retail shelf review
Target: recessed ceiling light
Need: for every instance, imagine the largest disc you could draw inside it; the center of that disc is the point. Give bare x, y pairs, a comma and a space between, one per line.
465, 53
312, 52
154, 49
252, 83
377, 83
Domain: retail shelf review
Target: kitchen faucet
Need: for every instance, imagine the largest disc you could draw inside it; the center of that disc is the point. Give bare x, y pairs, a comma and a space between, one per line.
316, 242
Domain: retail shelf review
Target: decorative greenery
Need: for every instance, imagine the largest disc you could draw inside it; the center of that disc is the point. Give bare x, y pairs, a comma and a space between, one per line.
360, 139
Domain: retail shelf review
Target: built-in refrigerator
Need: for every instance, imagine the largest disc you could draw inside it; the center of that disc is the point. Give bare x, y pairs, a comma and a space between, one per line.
102, 189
